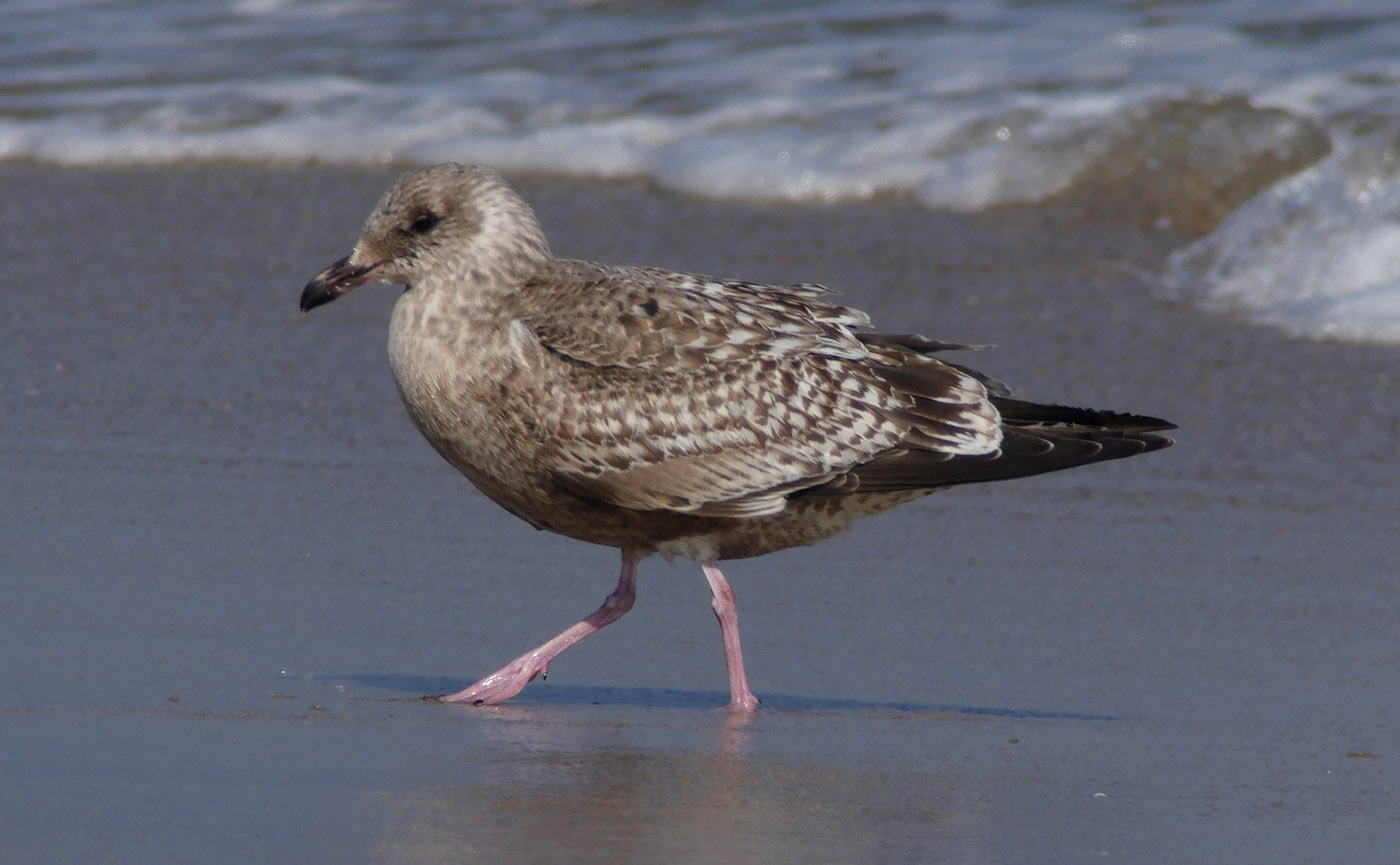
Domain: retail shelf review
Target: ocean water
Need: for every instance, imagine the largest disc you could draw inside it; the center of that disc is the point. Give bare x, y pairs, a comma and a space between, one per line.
1264, 132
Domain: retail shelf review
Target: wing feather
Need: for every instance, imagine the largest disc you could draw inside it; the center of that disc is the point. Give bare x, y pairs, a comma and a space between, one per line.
723, 398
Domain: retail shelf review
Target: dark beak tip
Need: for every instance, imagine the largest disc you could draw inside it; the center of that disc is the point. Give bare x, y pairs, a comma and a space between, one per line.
332, 282
314, 295
317, 294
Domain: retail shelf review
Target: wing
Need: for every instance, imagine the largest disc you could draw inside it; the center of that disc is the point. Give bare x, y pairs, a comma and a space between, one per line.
1036, 438
722, 398
649, 318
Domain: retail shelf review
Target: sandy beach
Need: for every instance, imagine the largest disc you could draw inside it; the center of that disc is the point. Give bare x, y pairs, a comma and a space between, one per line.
232, 567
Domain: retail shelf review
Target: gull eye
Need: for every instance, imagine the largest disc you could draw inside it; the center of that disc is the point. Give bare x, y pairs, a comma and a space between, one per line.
425, 223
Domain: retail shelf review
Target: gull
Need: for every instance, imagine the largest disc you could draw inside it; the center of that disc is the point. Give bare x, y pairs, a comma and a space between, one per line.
674, 413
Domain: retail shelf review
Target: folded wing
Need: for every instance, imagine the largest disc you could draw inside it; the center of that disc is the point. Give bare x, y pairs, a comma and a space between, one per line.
725, 398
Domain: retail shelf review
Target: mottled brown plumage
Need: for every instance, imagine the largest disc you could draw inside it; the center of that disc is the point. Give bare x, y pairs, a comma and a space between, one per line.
664, 412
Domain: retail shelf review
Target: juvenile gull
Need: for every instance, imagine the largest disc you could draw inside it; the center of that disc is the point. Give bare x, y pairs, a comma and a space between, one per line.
673, 413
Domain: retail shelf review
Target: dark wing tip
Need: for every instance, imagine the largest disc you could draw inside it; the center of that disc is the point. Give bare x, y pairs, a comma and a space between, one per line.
1019, 412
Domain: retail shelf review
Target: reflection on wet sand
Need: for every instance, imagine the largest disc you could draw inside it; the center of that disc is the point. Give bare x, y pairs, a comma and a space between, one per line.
540, 799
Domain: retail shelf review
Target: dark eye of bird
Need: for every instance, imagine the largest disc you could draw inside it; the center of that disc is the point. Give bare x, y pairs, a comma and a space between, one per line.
425, 223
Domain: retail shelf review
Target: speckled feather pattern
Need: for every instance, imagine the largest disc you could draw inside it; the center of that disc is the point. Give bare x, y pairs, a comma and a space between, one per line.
653, 410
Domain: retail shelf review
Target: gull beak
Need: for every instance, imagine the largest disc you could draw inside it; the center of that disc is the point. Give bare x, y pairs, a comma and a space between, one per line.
336, 280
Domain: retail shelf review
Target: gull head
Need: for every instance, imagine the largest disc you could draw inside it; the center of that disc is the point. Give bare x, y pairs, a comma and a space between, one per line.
450, 224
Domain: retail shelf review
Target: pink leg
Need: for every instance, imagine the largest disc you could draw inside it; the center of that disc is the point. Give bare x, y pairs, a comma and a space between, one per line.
741, 699
512, 678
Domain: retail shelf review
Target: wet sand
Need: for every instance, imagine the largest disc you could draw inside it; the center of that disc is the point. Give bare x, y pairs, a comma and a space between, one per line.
231, 566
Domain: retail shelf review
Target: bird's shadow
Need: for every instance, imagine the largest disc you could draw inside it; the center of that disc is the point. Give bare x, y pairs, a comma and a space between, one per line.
540, 694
